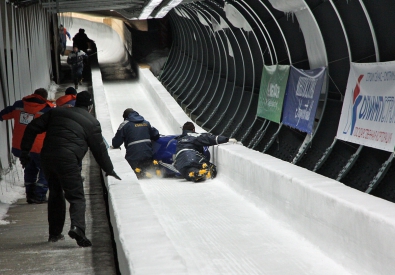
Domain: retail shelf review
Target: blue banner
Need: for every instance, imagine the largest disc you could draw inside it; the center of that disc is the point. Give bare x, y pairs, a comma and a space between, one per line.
301, 98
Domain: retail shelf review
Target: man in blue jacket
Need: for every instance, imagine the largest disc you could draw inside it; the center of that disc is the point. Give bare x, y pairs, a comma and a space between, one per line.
190, 160
136, 134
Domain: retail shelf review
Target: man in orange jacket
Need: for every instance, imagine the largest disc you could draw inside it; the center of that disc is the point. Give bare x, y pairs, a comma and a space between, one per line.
68, 100
23, 112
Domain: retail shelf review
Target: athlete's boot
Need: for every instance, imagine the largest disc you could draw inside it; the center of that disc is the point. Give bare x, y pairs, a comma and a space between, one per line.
211, 170
138, 172
147, 175
157, 168
198, 176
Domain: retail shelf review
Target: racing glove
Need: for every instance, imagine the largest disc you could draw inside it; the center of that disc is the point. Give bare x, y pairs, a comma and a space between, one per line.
24, 159
113, 174
233, 140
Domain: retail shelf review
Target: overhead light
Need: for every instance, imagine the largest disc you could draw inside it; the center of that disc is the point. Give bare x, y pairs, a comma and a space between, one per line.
164, 10
111, 10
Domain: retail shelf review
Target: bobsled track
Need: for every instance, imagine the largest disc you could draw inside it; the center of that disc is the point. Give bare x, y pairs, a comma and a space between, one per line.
261, 215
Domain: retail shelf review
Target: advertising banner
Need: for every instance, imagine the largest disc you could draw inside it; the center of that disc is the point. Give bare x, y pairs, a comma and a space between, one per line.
368, 113
272, 90
302, 96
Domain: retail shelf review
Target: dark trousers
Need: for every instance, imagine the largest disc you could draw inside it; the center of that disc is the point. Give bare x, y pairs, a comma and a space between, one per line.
35, 182
77, 74
64, 182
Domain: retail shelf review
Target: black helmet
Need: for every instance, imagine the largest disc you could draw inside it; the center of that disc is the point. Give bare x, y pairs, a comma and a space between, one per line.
188, 126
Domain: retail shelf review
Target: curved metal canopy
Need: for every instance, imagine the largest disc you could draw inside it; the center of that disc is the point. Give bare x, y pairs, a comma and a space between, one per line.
129, 9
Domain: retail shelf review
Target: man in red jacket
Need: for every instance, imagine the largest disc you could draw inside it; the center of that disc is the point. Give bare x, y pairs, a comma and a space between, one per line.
68, 100
23, 112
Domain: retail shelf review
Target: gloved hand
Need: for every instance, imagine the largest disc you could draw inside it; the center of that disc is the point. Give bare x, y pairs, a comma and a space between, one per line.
114, 175
24, 159
232, 140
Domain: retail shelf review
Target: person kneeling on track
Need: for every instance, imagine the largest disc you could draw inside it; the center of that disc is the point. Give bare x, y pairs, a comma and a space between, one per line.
189, 159
136, 134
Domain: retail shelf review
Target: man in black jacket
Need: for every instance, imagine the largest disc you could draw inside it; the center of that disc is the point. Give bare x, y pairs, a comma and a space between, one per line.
70, 131
76, 60
189, 160
136, 134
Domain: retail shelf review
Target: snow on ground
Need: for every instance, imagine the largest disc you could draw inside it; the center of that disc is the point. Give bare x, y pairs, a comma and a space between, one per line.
11, 189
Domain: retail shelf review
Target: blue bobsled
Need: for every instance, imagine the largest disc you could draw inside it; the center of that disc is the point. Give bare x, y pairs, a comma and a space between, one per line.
165, 149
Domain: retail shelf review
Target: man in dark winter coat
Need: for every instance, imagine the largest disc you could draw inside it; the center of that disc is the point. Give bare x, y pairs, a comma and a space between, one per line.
189, 160
81, 40
70, 131
136, 134
76, 60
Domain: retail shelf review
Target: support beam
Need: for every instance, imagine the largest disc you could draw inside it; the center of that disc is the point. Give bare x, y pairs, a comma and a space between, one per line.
84, 8
87, 3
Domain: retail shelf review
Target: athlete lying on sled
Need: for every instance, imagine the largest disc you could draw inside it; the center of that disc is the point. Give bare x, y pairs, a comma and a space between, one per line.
188, 153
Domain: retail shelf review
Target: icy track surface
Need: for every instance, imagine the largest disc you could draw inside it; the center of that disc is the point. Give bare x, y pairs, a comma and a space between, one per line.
213, 229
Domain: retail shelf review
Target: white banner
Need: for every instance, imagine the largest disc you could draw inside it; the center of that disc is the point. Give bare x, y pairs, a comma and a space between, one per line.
368, 113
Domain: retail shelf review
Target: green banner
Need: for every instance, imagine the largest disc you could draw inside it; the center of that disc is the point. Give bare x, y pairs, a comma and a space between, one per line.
272, 90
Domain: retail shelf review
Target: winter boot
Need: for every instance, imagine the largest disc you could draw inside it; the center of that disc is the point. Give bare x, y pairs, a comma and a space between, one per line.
29, 186
79, 236
138, 173
198, 176
211, 170
142, 174
30, 197
157, 168
55, 238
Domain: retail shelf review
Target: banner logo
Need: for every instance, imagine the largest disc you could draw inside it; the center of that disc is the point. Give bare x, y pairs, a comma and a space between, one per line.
272, 91
356, 100
370, 108
368, 112
302, 97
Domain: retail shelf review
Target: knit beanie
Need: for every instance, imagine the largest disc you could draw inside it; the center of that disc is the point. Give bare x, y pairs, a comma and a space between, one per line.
70, 91
84, 98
